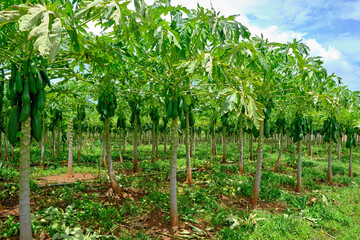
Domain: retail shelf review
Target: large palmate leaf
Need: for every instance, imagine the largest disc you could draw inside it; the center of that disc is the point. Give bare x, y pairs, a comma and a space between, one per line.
29, 21
8, 17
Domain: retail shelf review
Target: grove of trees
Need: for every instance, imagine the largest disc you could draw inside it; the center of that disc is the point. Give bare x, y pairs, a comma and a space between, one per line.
164, 76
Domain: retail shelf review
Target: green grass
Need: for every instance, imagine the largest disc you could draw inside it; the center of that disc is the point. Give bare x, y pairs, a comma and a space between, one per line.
214, 202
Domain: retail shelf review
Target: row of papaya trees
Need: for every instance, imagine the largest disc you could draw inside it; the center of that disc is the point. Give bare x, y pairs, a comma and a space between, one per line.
167, 63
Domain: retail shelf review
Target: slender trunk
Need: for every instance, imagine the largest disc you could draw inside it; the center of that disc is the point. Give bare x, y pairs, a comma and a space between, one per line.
310, 146
272, 144
233, 142
70, 156
103, 150
241, 146
0, 144
339, 150
53, 142
135, 145
6, 146
325, 150
329, 171
188, 156
224, 145
24, 196
79, 141
194, 155
165, 140
277, 165
157, 143
350, 162
149, 138
174, 219
153, 143
207, 152
211, 148
251, 146
115, 186
256, 187
294, 150
120, 154
42, 162
299, 185
191, 143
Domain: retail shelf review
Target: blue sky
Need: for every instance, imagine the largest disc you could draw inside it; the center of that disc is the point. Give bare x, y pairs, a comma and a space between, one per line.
331, 28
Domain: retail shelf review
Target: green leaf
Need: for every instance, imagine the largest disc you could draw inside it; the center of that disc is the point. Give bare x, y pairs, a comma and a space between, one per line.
87, 6
28, 21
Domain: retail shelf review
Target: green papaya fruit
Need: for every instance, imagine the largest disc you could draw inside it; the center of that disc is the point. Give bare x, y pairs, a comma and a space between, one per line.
33, 68
32, 83
13, 71
25, 112
18, 83
14, 126
39, 82
255, 132
34, 106
266, 128
26, 67
41, 100
354, 140
25, 97
36, 128
175, 108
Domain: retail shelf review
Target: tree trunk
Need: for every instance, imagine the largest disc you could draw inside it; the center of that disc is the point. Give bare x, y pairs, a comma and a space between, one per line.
153, 143
6, 146
157, 143
115, 186
120, 142
241, 146
124, 149
187, 146
350, 162
24, 196
277, 164
294, 150
224, 145
135, 145
174, 219
42, 162
325, 150
207, 152
70, 156
299, 185
79, 141
310, 145
104, 150
272, 144
194, 155
165, 140
339, 150
251, 146
256, 187
0, 144
329, 171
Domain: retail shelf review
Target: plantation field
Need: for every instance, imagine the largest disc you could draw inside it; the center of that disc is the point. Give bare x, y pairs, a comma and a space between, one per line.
215, 206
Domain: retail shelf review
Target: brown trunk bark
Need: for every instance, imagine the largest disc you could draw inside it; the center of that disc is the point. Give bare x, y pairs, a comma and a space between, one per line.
329, 171
24, 184
350, 162
187, 146
174, 219
299, 185
70, 156
256, 187
277, 164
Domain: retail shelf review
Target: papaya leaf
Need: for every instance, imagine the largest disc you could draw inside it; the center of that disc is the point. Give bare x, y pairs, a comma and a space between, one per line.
28, 21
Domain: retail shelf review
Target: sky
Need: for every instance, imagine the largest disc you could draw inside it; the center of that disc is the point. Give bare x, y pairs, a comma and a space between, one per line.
331, 28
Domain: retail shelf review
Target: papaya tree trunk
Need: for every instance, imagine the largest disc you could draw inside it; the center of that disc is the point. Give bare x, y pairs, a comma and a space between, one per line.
241, 146
251, 147
256, 188
115, 186
187, 146
120, 142
277, 164
79, 141
24, 184
174, 219
6, 146
165, 140
1, 145
350, 162
11, 151
339, 149
103, 150
42, 161
124, 145
310, 145
135, 145
157, 143
153, 143
224, 145
299, 185
70, 156
194, 147
329, 171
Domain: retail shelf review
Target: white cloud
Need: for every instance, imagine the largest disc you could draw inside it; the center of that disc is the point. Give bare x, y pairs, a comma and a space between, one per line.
317, 49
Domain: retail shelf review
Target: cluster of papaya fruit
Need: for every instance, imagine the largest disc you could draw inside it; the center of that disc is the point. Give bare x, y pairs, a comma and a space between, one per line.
135, 110
331, 129
300, 126
178, 106
154, 115
81, 114
26, 93
351, 139
106, 105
